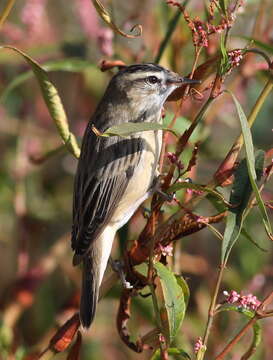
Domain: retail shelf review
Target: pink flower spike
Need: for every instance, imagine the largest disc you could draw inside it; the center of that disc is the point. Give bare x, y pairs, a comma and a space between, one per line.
235, 57
172, 157
174, 160
198, 345
232, 297
248, 301
166, 250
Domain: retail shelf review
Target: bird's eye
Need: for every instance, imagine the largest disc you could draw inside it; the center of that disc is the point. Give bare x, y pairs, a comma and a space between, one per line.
153, 80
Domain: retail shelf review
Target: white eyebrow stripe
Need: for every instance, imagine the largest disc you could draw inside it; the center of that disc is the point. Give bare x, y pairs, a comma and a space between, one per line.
144, 74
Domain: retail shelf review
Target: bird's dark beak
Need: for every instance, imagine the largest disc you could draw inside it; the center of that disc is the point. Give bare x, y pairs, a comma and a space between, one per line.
179, 80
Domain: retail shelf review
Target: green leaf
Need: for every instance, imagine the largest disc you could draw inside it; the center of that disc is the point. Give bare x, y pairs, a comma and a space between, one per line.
69, 65
224, 61
239, 198
176, 352
257, 330
223, 6
128, 129
250, 164
260, 44
173, 307
250, 238
53, 102
185, 288
105, 16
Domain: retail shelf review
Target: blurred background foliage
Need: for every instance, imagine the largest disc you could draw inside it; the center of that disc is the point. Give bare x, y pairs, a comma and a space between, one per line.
39, 288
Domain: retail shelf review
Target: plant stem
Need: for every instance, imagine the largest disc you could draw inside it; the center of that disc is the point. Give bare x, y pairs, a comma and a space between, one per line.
260, 314
150, 278
151, 255
236, 338
213, 304
6, 11
47, 355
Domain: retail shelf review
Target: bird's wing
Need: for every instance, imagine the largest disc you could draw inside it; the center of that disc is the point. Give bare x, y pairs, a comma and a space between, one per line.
104, 170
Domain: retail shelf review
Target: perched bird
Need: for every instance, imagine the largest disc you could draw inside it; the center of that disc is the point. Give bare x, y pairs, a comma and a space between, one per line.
116, 174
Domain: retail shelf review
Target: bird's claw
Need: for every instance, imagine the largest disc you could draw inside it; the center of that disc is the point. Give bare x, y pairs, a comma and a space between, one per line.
118, 267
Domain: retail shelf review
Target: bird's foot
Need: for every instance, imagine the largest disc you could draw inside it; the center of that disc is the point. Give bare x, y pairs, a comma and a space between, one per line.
118, 267
165, 196
157, 189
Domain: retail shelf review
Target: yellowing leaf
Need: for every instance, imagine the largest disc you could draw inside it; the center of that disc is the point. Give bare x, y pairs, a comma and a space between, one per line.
53, 102
107, 19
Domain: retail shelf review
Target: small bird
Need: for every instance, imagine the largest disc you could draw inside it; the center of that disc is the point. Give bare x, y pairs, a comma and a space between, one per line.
116, 174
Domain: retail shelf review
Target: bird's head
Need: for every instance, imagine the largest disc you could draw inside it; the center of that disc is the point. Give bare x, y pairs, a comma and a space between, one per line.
146, 85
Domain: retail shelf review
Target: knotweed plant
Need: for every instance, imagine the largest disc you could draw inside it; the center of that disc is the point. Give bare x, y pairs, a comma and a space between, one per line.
171, 282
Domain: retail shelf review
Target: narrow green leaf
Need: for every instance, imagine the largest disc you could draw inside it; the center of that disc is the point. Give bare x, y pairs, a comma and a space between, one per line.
246, 135
223, 6
224, 62
241, 310
257, 330
178, 353
105, 16
197, 187
250, 238
69, 65
250, 164
257, 335
53, 102
260, 44
174, 302
239, 198
128, 129
185, 288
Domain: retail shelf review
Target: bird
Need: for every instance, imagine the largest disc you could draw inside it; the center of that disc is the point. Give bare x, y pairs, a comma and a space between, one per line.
116, 174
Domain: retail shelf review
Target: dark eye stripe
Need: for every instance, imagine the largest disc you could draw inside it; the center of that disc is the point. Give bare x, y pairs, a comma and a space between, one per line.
148, 79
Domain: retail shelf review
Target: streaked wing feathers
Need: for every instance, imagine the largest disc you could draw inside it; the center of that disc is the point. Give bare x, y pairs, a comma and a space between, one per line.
104, 170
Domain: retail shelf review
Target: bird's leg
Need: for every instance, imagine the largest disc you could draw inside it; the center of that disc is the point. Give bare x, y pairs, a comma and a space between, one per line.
118, 267
156, 186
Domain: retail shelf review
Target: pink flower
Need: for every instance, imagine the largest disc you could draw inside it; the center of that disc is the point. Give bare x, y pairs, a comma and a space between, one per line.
198, 345
233, 297
162, 339
235, 57
192, 191
248, 301
92, 28
174, 160
166, 250
35, 18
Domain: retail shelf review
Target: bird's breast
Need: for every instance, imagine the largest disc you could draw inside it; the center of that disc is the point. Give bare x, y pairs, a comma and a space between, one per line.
140, 184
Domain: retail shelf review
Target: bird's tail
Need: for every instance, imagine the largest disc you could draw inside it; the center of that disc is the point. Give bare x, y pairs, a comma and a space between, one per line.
90, 289
94, 265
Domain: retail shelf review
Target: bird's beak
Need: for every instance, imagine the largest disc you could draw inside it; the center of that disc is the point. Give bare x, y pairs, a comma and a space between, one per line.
174, 79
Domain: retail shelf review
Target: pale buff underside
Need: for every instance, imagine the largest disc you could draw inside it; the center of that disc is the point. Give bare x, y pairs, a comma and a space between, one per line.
139, 189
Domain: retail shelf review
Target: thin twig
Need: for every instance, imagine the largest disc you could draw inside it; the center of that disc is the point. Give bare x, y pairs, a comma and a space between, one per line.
213, 304
6, 11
